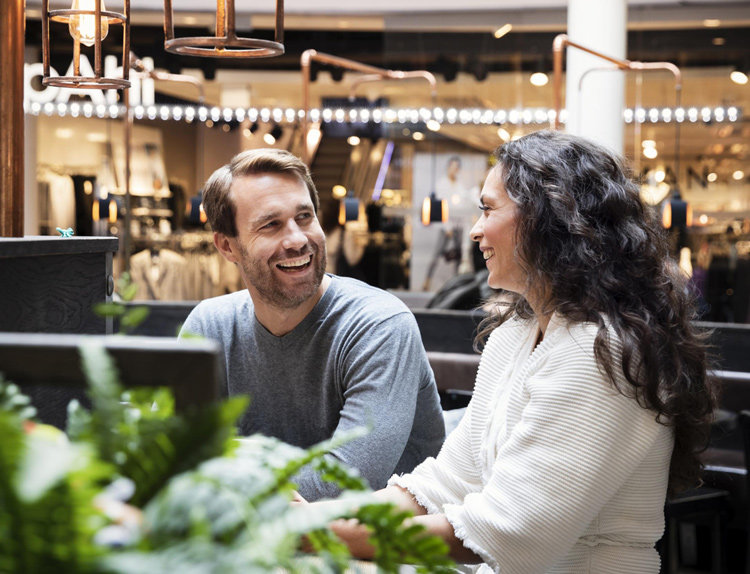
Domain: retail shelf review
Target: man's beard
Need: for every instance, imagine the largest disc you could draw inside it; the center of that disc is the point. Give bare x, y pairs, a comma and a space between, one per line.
282, 295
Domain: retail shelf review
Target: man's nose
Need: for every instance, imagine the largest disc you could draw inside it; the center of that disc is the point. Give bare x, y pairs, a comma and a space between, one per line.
294, 238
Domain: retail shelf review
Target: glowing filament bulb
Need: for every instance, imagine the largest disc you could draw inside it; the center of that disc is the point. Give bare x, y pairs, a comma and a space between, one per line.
83, 26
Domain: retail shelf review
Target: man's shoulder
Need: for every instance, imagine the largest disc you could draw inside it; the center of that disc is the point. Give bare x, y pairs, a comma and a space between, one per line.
229, 301
367, 299
222, 308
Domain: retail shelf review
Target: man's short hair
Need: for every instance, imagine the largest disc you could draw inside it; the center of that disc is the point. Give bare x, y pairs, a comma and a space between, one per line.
218, 204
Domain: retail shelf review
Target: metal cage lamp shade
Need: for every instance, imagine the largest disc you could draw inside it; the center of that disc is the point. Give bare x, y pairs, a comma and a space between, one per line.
348, 209
434, 210
226, 43
88, 23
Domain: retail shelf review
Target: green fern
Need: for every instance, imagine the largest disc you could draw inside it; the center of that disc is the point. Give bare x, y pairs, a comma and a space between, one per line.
47, 516
207, 506
12, 400
141, 436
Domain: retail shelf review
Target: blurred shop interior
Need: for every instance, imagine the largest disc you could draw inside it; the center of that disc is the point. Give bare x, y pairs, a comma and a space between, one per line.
379, 148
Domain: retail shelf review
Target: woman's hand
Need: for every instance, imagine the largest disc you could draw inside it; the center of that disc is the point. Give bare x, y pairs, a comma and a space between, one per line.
297, 499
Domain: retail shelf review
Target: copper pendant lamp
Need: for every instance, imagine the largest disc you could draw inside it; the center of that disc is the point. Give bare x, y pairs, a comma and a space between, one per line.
226, 43
88, 23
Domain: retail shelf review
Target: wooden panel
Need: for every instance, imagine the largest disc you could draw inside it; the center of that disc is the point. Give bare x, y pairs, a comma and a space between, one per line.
52, 294
50, 284
48, 367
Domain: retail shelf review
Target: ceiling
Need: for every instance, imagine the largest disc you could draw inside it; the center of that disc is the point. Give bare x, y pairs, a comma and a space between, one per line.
474, 69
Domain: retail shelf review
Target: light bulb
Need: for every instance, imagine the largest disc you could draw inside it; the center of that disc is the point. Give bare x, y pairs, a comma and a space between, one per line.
83, 26
539, 79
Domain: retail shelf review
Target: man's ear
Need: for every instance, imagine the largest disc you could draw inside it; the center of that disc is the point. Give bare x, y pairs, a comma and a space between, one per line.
227, 247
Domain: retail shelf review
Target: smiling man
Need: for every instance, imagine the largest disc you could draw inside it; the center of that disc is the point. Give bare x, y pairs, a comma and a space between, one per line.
318, 354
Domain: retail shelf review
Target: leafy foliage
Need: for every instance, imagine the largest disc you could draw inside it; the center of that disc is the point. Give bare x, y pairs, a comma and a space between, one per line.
142, 437
12, 400
207, 502
128, 317
47, 515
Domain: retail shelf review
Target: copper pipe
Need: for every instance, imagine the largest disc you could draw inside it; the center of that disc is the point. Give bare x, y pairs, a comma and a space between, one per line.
562, 40
373, 74
395, 75
137, 65
128, 136
11, 118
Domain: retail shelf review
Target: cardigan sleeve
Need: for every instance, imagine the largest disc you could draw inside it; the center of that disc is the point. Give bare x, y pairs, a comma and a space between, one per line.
576, 443
450, 476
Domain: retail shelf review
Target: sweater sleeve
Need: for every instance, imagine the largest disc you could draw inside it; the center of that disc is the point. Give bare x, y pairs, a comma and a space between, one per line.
383, 370
576, 443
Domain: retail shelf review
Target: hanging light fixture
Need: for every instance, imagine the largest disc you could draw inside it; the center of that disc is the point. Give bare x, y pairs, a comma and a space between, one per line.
88, 23
676, 213
226, 43
348, 209
434, 210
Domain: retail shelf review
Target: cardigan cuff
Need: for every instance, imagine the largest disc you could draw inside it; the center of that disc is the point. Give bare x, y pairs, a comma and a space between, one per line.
406, 481
454, 514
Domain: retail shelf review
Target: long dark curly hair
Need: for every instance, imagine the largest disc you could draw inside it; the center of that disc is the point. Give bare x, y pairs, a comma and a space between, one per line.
601, 255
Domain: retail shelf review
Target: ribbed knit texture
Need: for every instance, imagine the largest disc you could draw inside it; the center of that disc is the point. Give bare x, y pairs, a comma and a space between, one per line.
551, 469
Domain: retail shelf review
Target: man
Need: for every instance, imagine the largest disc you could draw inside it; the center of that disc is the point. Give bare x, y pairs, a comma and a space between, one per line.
318, 354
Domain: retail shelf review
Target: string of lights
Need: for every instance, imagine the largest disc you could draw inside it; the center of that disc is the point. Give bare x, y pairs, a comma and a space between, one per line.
433, 118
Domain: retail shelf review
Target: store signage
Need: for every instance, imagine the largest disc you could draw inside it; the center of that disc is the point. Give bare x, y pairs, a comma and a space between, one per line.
141, 89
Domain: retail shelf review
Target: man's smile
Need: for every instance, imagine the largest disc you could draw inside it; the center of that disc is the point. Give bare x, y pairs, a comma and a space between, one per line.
296, 264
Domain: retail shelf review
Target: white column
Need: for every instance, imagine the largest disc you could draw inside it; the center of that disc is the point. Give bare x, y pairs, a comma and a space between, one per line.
595, 105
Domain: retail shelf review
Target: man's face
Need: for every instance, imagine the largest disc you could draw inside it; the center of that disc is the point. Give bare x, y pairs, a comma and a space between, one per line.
280, 246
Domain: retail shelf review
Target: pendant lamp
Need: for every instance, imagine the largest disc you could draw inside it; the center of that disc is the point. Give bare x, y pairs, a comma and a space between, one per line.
226, 43
434, 210
676, 213
348, 209
88, 22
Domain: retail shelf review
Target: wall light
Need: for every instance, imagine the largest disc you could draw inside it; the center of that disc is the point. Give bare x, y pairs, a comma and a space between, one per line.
738, 175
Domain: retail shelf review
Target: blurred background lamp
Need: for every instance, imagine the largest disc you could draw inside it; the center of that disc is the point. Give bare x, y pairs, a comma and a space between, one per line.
348, 209
434, 210
196, 215
738, 77
677, 213
539, 79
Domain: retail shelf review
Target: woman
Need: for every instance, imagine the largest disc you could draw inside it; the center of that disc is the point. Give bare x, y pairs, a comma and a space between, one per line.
591, 399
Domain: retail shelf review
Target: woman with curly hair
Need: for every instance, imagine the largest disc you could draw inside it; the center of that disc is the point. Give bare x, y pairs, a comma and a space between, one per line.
591, 399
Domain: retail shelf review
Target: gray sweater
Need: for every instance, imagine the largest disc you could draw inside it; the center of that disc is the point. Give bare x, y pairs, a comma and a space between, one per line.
356, 360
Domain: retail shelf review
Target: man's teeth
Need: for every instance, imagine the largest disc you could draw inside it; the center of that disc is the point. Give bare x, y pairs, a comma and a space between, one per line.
299, 262
488, 253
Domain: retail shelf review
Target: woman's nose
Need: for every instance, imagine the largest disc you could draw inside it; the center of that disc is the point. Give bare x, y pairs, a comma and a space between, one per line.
476, 230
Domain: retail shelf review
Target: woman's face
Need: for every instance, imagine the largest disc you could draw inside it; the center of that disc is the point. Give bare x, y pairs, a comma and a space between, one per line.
495, 231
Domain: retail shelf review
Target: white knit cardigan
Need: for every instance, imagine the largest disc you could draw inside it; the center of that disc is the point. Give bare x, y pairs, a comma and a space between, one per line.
551, 470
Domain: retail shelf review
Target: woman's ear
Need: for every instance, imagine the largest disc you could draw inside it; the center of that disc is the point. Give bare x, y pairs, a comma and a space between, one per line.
227, 246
